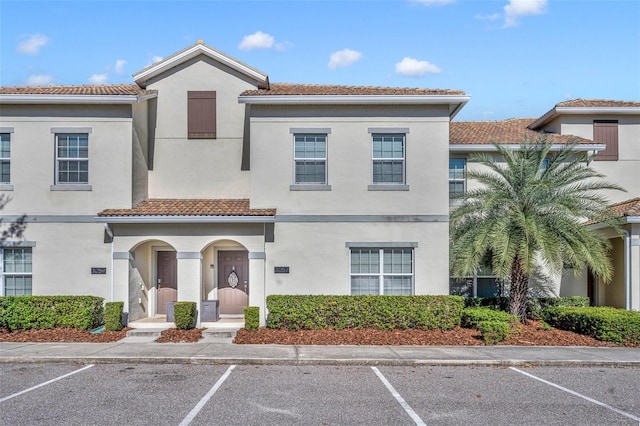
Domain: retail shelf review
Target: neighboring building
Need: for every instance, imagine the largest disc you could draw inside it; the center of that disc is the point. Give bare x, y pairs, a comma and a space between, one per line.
204, 181
610, 129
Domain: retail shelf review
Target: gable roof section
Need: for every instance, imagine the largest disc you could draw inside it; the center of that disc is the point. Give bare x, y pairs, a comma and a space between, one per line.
105, 93
628, 211
200, 48
480, 135
315, 94
189, 210
588, 106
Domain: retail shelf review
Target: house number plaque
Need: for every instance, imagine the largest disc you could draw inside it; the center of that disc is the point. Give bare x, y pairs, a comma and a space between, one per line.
281, 269
98, 271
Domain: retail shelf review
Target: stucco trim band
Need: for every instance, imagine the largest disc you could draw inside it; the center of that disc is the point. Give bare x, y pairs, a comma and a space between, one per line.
189, 255
257, 255
362, 218
124, 255
380, 245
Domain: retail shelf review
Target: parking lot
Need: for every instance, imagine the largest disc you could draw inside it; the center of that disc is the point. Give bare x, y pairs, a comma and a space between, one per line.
166, 394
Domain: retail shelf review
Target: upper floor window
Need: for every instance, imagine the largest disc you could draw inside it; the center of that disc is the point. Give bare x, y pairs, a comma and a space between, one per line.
378, 271
72, 158
457, 176
16, 271
388, 159
310, 158
201, 115
606, 132
5, 158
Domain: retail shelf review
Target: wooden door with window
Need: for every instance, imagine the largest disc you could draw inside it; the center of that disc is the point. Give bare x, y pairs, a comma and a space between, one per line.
233, 281
166, 280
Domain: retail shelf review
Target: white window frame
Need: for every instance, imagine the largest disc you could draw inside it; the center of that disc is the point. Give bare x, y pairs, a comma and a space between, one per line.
381, 274
4, 274
296, 160
79, 160
8, 158
457, 179
375, 160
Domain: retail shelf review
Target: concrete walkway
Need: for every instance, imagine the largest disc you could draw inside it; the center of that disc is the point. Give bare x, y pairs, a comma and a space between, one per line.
228, 353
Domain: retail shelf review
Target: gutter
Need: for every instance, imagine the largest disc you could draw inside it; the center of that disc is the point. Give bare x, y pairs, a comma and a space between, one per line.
353, 99
627, 269
582, 110
75, 99
491, 148
185, 219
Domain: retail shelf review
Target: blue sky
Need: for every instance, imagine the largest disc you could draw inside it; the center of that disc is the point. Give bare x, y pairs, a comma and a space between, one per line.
516, 58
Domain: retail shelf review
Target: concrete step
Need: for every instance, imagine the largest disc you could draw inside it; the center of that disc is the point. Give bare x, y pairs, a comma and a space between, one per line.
220, 332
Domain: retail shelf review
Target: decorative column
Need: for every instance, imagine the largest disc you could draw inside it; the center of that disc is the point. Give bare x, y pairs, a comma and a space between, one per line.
190, 278
120, 278
257, 285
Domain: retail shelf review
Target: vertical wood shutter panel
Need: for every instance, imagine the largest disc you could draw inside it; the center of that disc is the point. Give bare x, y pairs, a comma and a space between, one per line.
606, 132
201, 112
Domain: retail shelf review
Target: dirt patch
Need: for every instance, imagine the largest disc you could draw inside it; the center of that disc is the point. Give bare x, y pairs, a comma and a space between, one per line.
173, 335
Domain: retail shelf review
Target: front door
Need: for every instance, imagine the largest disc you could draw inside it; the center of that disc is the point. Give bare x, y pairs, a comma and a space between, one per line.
233, 281
167, 280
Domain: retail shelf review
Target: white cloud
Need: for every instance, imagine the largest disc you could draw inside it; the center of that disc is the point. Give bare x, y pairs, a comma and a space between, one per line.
120, 63
257, 40
343, 58
435, 2
518, 8
39, 80
98, 78
492, 17
414, 68
31, 44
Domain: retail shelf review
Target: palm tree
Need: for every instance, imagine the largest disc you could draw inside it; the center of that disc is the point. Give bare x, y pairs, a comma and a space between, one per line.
531, 209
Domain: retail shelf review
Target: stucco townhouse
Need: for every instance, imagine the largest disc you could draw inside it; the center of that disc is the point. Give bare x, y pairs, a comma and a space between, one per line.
202, 181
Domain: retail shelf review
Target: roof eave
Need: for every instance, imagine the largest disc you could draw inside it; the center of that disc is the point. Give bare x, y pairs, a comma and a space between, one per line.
185, 219
160, 67
556, 111
491, 148
74, 99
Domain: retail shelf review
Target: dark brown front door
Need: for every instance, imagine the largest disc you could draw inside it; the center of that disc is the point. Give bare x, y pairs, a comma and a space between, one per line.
233, 281
167, 280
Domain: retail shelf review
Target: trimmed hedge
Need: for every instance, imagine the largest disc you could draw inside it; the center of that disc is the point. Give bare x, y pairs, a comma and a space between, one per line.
494, 331
113, 316
251, 317
471, 317
535, 305
184, 314
380, 312
603, 323
43, 312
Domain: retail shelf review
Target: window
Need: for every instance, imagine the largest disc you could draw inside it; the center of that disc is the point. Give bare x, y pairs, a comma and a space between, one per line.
16, 271
388, 159
310, 158
483, 284
457, 176
378, 271
72, 158
5, 158
201, 112
606, 132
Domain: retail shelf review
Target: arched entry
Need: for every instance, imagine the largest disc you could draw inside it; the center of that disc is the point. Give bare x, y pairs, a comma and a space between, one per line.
233, 281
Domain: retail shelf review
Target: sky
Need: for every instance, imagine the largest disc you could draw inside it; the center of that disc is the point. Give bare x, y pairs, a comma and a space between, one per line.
515, 58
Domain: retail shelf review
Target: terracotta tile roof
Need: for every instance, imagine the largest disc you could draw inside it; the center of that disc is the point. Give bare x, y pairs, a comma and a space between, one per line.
597, 103
627, 208
103, 89
322, 89
190, 207
511, 131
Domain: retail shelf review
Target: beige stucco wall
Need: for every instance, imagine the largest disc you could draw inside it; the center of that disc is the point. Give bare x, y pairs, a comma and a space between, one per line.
349, 160
198, 168
33, 158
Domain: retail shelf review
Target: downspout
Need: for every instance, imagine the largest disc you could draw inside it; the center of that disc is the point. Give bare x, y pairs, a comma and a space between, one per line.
109, 233
627, 269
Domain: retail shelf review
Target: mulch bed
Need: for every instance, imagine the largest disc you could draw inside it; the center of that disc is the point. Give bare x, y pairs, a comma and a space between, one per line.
61, 335
173, 335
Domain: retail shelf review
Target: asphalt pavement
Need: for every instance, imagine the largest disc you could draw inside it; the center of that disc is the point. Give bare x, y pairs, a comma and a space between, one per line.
229, 353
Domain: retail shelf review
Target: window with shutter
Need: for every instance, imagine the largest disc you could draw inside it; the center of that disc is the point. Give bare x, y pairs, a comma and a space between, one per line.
606, 132
201, 112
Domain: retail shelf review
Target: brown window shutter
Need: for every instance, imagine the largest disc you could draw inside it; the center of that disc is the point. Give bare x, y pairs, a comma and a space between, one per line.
606, 132
201, 112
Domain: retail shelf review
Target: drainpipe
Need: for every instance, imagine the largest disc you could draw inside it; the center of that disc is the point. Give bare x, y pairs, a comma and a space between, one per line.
627, 269
110, 234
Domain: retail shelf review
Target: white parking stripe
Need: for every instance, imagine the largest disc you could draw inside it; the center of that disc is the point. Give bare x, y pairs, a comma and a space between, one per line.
399, 398
602, 404
194, 412
44, 384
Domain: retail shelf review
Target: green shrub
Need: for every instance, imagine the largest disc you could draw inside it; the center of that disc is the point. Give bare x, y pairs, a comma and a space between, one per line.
602, 323
380, 312
251, 317
184, 314
113, 316
494, 331
535, 305
42, 312
471, 317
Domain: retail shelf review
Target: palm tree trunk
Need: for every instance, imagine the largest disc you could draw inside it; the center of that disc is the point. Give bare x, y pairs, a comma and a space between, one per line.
518, 291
